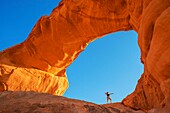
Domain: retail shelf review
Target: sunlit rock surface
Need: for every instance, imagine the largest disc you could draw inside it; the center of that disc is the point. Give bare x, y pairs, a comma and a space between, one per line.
31, 102
30, 79
56, 41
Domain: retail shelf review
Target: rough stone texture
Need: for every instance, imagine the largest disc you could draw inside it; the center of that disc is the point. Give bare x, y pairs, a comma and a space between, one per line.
19, 78
153, 88
32, 102
57, 40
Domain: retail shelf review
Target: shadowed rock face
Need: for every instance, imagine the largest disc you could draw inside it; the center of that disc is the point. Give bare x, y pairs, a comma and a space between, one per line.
39, 62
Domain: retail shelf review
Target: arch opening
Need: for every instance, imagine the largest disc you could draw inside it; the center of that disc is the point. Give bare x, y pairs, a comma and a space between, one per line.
111, 63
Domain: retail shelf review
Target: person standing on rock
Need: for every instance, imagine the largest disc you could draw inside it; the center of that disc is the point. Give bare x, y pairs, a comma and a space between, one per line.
108, 97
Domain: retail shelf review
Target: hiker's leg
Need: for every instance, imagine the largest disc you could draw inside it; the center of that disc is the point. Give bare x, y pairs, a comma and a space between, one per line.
110, 100
107, 99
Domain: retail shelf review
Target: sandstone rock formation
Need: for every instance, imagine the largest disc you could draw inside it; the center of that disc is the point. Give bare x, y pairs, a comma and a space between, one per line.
39, 62
31, 102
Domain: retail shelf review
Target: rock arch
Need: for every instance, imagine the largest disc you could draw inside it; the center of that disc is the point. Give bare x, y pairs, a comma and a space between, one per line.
39, 62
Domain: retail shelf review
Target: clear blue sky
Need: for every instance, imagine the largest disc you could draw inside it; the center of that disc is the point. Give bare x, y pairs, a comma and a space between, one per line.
111, 63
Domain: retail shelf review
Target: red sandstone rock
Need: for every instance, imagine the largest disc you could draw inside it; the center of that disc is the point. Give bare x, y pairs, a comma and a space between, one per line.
31, 102
20, 78
57, 40
154, 41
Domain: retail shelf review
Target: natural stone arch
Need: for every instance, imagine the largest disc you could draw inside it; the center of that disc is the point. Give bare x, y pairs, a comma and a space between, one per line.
39, 63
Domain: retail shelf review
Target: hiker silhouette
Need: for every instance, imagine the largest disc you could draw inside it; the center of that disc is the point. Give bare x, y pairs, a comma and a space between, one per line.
108, 97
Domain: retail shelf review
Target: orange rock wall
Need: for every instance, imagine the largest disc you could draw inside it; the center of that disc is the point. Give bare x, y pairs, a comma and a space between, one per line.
153, 89
58, 39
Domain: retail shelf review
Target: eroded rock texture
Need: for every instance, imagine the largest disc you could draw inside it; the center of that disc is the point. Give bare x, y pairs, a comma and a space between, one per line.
32, 102
57, 40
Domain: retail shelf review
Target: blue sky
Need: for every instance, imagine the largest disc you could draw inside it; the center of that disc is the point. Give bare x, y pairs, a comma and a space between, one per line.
111, 63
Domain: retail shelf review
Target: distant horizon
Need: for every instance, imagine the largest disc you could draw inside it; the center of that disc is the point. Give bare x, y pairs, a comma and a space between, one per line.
111, 63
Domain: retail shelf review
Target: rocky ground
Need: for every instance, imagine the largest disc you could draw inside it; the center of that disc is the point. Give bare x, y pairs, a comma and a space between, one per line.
33, 102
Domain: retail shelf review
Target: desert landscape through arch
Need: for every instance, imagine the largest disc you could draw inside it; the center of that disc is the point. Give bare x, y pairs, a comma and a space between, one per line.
63, 37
